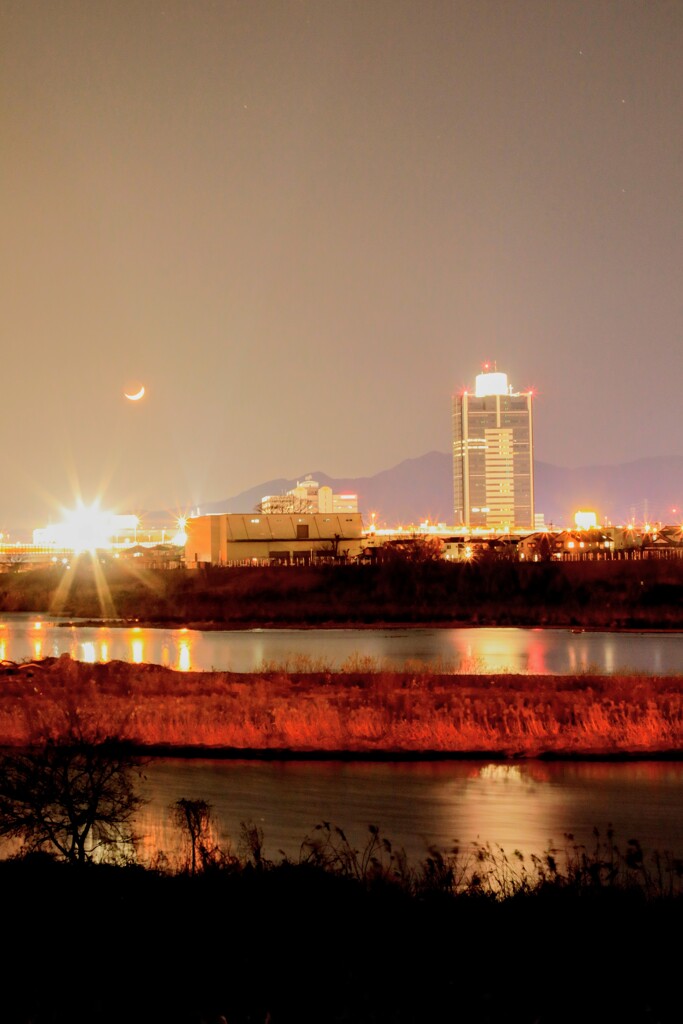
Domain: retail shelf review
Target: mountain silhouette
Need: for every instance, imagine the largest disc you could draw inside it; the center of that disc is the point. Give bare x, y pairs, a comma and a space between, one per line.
417, 489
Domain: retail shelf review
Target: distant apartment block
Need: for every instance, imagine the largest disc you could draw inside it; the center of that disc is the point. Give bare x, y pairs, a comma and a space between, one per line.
493, 459
308, 497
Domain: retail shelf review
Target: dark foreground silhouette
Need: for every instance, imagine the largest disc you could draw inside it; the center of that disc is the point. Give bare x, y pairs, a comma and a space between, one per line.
346, 937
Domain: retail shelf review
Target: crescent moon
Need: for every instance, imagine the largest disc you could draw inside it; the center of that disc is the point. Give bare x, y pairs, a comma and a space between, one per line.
137, 396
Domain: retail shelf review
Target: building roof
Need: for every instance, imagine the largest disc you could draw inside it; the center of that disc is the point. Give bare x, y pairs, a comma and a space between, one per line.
257, 526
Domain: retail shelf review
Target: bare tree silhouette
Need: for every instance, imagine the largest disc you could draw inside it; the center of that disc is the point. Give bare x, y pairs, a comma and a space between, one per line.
76, 800
195, 818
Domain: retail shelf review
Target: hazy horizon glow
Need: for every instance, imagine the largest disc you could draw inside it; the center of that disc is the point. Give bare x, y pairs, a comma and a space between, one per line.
306, 225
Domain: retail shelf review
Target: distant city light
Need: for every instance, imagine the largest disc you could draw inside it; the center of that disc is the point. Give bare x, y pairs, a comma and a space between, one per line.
180, 537
87, 528
490, 384
585, 520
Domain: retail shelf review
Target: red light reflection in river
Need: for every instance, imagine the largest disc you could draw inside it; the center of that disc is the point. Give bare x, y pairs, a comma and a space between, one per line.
536, 660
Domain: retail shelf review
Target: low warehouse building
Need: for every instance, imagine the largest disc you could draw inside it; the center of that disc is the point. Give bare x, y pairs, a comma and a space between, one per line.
243, 538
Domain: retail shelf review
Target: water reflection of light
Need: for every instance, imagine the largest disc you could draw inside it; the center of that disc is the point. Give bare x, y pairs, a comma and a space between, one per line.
3, 650
104, 651
509, 806
88, 652
37, 642
496, 655
609, 657
501, 650
577, 658
502, 772
536, 657
137, 647
184, 662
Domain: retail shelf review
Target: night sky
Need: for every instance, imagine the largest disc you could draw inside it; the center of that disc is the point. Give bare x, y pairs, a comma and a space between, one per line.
304, 224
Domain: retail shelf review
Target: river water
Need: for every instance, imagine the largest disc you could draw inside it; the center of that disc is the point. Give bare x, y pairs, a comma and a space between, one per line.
527, 806
481, 649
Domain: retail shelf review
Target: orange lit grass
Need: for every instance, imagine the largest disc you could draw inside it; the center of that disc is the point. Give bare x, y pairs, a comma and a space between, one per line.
399, 712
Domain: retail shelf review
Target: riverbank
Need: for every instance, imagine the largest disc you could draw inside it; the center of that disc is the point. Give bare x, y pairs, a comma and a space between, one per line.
603, 595
354, 714
251, 627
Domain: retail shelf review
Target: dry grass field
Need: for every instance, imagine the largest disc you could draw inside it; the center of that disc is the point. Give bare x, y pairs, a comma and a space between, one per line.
367, 711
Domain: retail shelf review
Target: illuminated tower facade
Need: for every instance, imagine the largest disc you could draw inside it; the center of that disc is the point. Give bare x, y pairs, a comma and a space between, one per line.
493, 456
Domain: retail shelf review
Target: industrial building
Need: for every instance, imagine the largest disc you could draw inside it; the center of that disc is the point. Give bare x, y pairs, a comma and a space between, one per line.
254, 538
493, 458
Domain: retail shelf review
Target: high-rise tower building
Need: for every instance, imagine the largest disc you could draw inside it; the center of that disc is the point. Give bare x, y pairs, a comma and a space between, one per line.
493, 455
